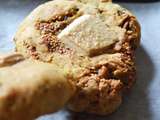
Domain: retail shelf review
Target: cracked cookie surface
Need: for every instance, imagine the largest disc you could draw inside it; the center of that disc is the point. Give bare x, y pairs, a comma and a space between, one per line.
94, 43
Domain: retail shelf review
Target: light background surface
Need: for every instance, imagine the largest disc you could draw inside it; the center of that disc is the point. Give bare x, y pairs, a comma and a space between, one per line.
143, 102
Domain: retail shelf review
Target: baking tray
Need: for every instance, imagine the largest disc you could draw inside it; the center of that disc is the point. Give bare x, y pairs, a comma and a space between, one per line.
143, 102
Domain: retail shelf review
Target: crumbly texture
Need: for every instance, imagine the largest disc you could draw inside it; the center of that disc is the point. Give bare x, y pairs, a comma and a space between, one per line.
93, 41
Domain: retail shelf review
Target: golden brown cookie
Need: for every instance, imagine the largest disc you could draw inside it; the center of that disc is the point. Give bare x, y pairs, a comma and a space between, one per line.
94, 43
31, 88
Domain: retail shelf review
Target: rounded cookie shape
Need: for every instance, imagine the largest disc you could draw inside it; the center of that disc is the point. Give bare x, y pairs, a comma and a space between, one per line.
94, 43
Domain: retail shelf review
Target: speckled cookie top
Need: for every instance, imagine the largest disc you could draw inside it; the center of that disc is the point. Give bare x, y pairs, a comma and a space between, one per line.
48, 22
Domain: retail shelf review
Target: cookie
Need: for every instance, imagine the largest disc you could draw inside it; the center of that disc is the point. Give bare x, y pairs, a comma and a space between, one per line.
30, 86
94, 43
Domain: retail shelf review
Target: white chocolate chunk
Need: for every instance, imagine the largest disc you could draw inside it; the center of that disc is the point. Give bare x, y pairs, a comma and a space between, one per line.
91, 33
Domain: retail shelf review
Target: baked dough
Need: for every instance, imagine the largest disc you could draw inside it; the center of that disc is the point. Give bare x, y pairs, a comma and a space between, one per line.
30, 88
94, 43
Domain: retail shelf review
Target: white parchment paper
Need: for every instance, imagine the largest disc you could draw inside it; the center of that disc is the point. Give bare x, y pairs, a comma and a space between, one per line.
143, 102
